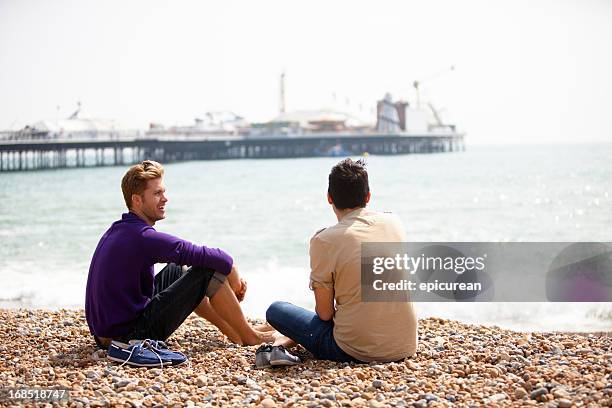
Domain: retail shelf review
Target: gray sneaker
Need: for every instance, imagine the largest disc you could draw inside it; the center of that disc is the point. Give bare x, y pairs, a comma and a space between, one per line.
281, 357
262, 356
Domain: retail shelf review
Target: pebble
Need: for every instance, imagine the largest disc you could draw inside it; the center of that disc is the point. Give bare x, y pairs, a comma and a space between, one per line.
503, 356
428, 397
538, 392
420, 404
201, 381
268, 403
520, 393
469, 366
493, 372
93, 375
121, 383
497, 397
560, 393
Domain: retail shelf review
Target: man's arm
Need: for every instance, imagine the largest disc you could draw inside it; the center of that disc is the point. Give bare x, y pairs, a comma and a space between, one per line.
322, 266
161, 247
324, 303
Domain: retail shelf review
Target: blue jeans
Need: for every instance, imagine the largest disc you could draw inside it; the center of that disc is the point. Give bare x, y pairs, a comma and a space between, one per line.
305, 328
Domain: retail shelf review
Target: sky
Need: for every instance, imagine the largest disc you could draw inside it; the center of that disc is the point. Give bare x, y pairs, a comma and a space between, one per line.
525, 71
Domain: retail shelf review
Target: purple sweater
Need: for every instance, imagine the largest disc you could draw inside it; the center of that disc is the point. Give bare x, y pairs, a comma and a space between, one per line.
121, 277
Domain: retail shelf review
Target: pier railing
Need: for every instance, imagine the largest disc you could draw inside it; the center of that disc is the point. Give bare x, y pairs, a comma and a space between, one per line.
48, 154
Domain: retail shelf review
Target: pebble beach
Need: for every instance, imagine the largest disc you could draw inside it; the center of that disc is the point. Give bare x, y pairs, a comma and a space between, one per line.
456, 365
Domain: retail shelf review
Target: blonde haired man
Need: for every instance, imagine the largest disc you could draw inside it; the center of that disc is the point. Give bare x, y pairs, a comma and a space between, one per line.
126, 301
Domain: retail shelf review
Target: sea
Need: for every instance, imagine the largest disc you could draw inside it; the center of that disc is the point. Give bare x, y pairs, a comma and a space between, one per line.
264, 213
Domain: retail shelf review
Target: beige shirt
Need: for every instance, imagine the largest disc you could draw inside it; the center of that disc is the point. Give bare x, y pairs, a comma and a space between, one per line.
372, 331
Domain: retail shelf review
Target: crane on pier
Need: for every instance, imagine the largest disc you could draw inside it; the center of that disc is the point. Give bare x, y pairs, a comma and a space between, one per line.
416, 84
281, 107
435, 112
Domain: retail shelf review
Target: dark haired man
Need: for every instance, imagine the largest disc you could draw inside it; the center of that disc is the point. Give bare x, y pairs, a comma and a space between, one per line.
344, 328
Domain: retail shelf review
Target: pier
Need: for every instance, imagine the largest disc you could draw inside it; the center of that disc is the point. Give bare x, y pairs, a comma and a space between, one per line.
25, 155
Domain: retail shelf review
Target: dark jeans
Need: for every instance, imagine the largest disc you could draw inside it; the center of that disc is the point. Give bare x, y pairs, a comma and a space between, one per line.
305, 327
175, 296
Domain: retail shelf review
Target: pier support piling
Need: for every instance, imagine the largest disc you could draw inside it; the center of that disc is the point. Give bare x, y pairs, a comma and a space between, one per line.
33, 155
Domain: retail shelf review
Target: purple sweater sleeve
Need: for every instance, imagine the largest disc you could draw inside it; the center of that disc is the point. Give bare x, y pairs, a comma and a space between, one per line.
161, 247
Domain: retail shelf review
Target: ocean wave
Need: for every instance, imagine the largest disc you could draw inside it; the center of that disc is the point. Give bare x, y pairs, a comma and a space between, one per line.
270, 280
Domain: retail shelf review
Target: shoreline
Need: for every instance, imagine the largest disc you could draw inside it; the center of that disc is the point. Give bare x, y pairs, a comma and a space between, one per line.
456, 364
595, 329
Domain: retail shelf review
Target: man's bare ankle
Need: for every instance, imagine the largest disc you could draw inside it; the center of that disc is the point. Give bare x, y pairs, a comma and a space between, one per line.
266, 337
253, 341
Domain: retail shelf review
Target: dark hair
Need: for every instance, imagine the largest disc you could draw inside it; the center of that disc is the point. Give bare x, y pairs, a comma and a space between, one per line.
348, 184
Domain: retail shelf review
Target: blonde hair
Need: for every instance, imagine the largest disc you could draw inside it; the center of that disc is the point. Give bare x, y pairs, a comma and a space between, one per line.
135, 179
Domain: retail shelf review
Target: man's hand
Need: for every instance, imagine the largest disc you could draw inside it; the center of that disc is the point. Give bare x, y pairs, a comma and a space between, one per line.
242, 292
237, 284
